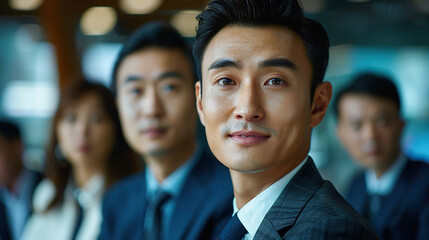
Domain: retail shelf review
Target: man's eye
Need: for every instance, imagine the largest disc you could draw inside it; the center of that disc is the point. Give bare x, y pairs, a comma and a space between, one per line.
136, 91
275, 81
382, 122
226, 82
169, 88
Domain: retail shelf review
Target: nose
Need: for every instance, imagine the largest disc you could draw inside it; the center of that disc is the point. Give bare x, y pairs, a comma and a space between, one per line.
369, 132
151, 104
249, 106
84, 128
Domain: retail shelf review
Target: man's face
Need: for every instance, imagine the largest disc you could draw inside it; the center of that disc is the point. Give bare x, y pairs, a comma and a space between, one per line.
156, 100
370, 129
255, 101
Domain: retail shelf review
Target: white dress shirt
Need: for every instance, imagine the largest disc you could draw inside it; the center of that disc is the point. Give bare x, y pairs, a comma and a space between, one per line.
59, 222
252, 214
384, 185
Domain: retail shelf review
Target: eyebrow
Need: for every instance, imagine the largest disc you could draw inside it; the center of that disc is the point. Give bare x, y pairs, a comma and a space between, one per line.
132, 78
170, 74
162, 76
221, 63
278, 62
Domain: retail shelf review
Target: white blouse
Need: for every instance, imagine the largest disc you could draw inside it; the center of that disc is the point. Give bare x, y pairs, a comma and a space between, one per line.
59, 222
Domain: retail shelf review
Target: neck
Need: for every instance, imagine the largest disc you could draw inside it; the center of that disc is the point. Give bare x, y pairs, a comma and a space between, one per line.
383, 168
249, 185
163, 166
82, 175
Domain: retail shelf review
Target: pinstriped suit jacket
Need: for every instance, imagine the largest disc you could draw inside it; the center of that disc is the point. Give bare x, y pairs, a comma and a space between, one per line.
311, 208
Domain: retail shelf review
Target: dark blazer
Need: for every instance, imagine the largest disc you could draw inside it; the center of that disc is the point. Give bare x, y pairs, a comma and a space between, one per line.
404, 213
202, 210
311, 208
33, 180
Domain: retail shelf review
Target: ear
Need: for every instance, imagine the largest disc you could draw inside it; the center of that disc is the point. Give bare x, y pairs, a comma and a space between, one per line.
322, 97
199, 102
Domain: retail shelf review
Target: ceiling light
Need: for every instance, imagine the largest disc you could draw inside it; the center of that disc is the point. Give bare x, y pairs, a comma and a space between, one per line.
139, 6
98, 20
185, 22
25, 5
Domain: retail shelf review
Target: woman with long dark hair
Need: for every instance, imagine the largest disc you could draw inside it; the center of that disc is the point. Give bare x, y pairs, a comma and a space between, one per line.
86, 154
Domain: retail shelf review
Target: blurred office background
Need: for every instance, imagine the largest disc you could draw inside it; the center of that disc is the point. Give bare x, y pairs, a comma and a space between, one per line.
44, 43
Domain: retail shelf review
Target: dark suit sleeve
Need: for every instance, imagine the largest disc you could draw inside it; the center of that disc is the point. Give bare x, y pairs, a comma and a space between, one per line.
423, 233
340, 228
104, 230
221, 220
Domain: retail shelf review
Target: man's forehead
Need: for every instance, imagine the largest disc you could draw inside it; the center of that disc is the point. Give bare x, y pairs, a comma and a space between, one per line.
366, 99
140, 68
233, 36
253, 45
356, 105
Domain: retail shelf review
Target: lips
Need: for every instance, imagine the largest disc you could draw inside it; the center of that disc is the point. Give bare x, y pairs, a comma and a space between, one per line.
154, 132
248, 137
84, 148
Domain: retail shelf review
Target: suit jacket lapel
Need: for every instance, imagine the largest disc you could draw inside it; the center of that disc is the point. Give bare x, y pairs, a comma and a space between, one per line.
359, 197
289, 204
140, 202
191, 198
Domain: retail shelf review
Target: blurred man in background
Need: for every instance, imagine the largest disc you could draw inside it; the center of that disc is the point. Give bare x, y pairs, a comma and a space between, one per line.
393, 192
184, 192
17, 183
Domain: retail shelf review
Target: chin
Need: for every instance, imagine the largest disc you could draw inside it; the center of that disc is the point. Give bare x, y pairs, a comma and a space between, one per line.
248, 170
244, 165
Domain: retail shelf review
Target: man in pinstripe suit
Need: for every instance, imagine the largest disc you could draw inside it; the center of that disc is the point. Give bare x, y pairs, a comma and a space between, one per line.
261, 91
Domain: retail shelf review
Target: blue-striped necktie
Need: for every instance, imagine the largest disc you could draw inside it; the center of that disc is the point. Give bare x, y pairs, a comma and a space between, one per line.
153, 215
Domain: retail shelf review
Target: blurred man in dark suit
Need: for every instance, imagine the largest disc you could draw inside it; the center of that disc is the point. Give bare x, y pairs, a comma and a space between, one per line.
262, 65
393, 192
184, 192
17, 183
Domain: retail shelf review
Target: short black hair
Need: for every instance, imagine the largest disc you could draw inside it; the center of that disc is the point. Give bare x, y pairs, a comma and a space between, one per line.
9, 130
256, 13
371, 84
153, 34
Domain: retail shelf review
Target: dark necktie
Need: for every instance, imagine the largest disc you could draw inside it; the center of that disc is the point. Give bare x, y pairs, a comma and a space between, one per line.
374, 207
234, 230
78, 221
153, 215
4, 226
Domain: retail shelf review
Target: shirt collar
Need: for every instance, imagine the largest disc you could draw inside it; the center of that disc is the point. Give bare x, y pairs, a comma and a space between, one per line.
384, 185
92, 190
252, 214
173, 183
